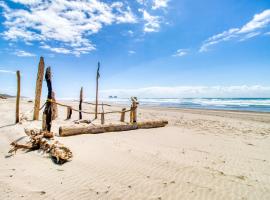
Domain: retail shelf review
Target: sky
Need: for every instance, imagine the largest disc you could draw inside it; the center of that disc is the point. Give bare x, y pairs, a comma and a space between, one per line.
147, 48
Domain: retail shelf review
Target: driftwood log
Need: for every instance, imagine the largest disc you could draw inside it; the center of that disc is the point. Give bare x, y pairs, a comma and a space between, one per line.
69, 131
39, 139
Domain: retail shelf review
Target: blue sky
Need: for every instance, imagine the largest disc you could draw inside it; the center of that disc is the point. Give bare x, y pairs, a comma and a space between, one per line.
151, 48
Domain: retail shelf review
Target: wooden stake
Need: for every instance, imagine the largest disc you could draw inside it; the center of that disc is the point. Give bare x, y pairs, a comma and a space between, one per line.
80, 105
97, 77
102, 115
40, 75
43, 121
54, 107
122, 119
48, 108
18, 97
73, 130
69, 112
133, 110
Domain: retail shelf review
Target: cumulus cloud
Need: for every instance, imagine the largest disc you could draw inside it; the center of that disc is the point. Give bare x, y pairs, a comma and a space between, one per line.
67, 23
181, 52
251, 29
152, 23
22, 53
191, 92
160, 4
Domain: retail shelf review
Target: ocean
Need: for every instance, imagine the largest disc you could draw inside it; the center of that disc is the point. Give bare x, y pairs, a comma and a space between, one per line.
239, 104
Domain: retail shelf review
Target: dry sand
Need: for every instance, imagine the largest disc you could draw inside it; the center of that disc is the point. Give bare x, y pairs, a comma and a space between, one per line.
199, 155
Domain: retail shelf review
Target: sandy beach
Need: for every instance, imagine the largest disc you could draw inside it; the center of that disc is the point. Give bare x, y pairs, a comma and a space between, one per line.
200, 154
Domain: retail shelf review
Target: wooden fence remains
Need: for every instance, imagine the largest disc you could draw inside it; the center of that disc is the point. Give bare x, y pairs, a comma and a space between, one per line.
39, 81
50, 112
18, 97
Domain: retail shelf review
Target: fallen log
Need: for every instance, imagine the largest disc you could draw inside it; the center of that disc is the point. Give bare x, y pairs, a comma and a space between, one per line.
39, 139
69, 131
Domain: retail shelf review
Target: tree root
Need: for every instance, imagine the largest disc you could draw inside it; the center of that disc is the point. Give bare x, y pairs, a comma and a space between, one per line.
44, 140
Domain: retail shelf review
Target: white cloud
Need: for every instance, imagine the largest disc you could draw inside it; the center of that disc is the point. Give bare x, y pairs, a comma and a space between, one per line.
7, 71
56, 49
192, 92
130, 32
131, 52
249, 30
160, 4
141, 1
181, 52
22, 53
27, 2
67, 23
152, 23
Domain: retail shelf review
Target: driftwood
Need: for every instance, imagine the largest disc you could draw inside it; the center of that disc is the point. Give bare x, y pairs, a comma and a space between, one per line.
40, 75
122, 118
54, 108
83, 121
133, 110
68, 131
41, 140
69, 112
80, 104
18, 97
97, 77
3, 97
48, 107
102, 116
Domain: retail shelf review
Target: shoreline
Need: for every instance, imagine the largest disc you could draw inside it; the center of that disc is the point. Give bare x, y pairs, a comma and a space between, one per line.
209, 153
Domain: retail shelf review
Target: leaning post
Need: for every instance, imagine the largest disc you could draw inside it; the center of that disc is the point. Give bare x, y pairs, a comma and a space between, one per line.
18, 97
40, 75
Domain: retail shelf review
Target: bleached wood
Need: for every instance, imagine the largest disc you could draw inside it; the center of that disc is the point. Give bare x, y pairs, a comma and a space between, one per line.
39, 81
75, 130
18, 97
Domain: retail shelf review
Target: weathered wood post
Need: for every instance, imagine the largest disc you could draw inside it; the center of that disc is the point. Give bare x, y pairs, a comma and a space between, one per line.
80, 104
54, 107
40, 75
48, 108
43, 121
18, 97
69, 112
97, 77
122, 118
102, 115
133, 110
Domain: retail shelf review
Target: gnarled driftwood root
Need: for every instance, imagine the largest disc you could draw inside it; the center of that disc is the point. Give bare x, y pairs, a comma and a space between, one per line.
43, 140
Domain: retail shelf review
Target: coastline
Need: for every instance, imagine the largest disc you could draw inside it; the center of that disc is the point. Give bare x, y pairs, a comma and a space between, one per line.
201, 154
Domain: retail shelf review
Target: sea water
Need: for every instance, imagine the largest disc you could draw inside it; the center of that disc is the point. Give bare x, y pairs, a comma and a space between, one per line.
240, 104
